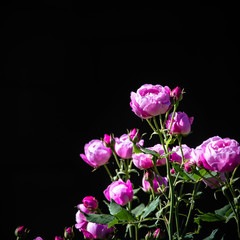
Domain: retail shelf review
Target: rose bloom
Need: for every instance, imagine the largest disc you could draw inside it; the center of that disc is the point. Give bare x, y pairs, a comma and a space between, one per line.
146, 185
220, 155
177, 156
96, 153
143, 161
120, 192
97, 231
181, 123
124, 147
150, 100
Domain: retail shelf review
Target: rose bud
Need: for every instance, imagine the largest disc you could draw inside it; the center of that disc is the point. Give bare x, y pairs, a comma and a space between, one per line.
21, 231
158, 234
69, 233
58, 238
90, 203
150, 100
176, 93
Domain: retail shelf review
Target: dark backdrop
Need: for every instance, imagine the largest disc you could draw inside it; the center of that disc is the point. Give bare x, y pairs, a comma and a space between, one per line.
67, 71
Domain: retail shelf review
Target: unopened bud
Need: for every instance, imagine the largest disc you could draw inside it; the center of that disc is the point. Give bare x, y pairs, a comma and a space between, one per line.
69, 233
158, 234
58, 238
176, 93
187, 167
21, 232
91, 203
134, 135
149, 175
172, 171
109, 140
148, 236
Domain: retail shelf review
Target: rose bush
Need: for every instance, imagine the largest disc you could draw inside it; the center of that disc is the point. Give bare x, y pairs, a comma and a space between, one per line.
144, 202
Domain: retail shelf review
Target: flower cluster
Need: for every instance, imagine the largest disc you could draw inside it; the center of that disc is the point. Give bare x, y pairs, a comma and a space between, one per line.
163, 169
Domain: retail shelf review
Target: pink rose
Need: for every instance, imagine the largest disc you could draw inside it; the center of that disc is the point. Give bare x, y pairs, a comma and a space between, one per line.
123, 145
120, 192
97, 231
150, 100
81, 221
96, 153
220, 155
146, 185
90, 203
181, 123
143, 161
177, 155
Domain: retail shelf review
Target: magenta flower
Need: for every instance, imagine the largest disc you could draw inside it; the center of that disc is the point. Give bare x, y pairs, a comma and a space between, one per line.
150, 100
147, 187
90, 203
181, 123
220, 155
143, 161
96, 153
124, 146
120, 192
97, 231
187, 153
81, 221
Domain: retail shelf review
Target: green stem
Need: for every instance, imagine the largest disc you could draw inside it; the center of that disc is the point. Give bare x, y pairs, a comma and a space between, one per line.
136, 232
170, 182
174, 110
195, 189
126, 170
107, 169
232, 203
116, 158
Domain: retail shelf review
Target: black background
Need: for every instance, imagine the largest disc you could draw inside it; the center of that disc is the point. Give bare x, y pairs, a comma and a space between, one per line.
67, 71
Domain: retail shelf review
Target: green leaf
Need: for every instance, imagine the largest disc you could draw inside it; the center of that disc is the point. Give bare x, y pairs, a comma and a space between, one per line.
166, 155
136, 149
112, 223
151, 207
99, 218
149, 151
120, 213
188, 236
211, 217
222, 211
212, 235
137, 211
